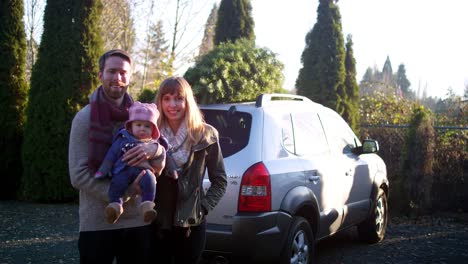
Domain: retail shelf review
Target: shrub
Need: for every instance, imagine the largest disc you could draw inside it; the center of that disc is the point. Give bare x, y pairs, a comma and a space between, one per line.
235, 72
147, 96
450, 167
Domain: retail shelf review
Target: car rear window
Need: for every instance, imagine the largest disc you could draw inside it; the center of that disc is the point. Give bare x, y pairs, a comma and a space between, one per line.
233, 127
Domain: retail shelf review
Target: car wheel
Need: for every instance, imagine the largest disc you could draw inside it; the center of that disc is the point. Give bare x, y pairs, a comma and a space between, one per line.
372, 230
299, 247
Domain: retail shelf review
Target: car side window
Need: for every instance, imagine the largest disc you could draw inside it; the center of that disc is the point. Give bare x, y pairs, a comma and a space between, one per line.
287, 133
340, 136
309, 135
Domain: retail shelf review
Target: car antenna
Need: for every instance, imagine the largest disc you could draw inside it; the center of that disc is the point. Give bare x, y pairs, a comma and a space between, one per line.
232, 110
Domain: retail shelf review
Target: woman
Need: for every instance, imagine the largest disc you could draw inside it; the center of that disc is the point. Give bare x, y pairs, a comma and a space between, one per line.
181, 202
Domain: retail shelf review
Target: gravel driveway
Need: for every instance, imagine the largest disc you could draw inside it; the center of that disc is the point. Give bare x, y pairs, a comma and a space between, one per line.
47, 233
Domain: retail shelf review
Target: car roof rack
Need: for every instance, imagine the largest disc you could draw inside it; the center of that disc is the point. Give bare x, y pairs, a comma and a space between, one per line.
263, 99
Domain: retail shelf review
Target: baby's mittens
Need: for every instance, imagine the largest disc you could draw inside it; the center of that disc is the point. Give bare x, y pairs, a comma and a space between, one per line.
103, 170
99, 175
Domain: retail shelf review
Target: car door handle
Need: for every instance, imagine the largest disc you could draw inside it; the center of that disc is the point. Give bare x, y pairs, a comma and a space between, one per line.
314, 179
313, 176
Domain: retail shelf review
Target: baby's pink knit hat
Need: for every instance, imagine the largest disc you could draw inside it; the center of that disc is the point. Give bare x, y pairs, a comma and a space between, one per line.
144, 112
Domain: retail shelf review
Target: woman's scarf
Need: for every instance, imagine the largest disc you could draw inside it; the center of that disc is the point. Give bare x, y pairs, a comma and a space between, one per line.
178, 144
105, 117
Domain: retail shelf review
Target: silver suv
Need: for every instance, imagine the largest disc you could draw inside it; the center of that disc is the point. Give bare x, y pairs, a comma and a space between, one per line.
296, 174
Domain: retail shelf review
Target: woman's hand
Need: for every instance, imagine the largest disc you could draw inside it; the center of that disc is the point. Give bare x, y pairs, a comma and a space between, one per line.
158, 164
134, 188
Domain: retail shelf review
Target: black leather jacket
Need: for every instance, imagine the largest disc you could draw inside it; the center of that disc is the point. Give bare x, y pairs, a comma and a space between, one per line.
183, 202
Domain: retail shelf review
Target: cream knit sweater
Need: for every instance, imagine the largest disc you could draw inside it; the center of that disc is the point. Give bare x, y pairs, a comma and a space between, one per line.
93, 193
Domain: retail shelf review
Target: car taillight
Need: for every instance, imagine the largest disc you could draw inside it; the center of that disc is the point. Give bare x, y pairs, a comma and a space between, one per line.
255, 190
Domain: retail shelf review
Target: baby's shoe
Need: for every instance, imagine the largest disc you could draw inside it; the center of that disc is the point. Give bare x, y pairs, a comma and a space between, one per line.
148, 212
113, 212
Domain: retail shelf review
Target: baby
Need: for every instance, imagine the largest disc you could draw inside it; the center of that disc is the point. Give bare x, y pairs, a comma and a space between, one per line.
141, 127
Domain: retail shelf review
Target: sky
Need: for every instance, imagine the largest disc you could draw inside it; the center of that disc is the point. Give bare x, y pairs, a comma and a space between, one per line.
428, 36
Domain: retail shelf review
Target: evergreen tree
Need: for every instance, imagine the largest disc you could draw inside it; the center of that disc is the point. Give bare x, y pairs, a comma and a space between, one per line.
208, 38
380, 81
402, 81
368, 75
234, 21
64, 74
156, 58
322, 75
116, 25
351, 113
235, 72
387, 72
13, 91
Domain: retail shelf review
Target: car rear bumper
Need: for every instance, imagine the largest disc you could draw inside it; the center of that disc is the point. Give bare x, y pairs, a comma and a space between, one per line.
252, 237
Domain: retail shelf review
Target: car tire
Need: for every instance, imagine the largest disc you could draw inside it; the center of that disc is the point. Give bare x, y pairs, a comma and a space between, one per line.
372, 230
299, 247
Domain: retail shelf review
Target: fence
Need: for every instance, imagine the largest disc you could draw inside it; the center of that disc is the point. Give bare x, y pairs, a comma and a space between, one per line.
449, 190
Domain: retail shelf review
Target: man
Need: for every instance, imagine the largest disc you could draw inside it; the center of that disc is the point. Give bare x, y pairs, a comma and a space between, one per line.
91, 135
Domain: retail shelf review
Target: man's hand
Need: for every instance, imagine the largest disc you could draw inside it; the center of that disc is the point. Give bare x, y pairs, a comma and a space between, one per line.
139, 154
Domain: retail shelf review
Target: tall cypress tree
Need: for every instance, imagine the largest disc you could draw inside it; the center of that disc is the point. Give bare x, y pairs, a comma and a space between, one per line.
351, 111
13, 91
234, 21
208, 38
323, 73
64, 74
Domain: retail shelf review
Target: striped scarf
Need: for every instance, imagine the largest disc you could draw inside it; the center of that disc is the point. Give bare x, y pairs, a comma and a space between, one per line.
105, 117
178, 143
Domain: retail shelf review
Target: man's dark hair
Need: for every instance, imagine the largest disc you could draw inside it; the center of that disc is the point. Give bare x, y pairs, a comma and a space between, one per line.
115, 52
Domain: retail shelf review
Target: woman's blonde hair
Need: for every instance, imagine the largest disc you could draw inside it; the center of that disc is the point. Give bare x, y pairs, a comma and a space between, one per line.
193, 116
